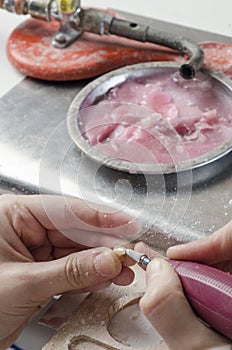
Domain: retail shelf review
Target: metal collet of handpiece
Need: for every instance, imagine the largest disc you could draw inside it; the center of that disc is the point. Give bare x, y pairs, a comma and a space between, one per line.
74, 21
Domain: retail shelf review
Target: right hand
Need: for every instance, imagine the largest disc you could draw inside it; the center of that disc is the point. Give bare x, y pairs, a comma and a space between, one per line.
164, 302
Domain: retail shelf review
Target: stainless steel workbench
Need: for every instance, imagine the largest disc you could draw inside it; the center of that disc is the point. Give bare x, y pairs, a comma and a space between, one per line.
38, 156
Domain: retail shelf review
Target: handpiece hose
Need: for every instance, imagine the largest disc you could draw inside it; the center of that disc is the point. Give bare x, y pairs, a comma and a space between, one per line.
74, 21
98, 22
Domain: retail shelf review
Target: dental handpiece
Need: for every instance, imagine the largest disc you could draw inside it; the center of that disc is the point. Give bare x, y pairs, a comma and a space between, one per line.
208, 290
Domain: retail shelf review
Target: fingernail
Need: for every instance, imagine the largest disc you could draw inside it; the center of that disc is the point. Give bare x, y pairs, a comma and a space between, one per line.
173, 250
170, 250
106, 264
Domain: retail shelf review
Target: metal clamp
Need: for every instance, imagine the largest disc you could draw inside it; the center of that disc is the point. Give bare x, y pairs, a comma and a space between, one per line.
70, 29
66, 35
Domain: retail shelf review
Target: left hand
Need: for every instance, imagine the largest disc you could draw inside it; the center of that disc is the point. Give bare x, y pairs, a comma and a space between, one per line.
37, 261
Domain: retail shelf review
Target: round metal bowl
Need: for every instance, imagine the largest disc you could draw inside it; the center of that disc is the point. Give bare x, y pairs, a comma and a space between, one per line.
100, 86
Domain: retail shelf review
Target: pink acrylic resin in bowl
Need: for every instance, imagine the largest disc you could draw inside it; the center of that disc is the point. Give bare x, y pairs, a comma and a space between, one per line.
146, 118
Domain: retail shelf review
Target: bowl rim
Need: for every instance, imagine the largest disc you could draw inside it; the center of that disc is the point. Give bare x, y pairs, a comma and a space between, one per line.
117, 77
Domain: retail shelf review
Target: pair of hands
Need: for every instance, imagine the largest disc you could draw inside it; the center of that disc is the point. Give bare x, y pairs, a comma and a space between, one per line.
37, 261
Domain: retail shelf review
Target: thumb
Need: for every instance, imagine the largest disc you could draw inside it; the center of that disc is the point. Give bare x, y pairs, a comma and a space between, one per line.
166, 307
74, 272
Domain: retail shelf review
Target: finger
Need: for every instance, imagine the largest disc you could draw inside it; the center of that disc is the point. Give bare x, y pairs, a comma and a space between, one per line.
128, 261
48, 253
94, 288
93, 238
78, 271
60, 252
125, 277
166, 307
66, 213
75, 208
43, 253
213, 249
58, 240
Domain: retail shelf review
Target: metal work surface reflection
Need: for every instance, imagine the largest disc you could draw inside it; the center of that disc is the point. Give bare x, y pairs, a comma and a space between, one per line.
37, 155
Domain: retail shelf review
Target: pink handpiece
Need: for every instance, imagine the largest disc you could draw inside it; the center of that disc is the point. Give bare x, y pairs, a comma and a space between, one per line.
209, 291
